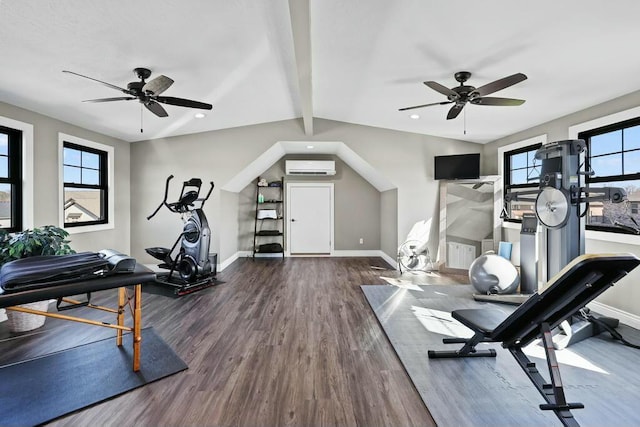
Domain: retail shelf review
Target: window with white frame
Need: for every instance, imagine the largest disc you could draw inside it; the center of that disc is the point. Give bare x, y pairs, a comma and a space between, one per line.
613, 159
520, 172
86, 173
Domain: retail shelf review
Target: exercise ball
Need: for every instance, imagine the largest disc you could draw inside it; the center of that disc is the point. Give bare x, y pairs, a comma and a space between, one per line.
493, 274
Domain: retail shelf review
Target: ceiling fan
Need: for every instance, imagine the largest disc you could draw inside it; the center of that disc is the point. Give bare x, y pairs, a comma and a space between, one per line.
147, 93
460, 95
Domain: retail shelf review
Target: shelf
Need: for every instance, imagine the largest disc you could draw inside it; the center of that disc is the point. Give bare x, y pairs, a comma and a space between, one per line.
270, 219
266, 202
269, 252
268, 233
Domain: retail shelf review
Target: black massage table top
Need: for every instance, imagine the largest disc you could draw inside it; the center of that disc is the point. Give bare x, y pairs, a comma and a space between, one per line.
141, 274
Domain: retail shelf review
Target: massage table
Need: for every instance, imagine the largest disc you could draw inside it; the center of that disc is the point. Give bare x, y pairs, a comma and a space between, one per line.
582, 280
126, 297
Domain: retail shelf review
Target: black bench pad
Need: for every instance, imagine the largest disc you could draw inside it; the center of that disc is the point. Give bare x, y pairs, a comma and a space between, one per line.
483, 320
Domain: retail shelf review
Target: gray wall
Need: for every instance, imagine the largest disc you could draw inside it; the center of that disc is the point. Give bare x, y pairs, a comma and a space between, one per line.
626, 294
46, 180
356, 210
212, 156
229, 223
405, 159
389, 222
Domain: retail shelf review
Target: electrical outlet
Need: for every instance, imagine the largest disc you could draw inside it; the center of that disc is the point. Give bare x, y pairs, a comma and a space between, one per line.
361, 241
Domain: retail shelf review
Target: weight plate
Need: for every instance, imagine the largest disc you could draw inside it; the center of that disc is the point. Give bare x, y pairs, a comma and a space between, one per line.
552, 207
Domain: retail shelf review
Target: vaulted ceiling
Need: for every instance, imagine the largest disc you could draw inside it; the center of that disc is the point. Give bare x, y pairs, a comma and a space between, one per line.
355, 61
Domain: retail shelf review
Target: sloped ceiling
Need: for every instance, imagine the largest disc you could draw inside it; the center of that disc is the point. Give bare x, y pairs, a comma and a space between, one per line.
355, 61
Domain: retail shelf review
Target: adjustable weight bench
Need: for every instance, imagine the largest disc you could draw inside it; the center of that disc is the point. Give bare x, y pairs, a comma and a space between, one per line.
570, 290
61, 292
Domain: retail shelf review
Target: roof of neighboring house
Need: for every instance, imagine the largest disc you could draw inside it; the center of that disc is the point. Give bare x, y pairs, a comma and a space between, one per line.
72, 203
5, 209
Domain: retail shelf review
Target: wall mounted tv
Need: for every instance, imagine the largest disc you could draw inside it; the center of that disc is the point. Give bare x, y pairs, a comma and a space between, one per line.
459, 166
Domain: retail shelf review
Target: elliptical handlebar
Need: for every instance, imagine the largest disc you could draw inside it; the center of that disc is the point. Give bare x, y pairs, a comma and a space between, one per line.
208, 194
164, 201
181, 206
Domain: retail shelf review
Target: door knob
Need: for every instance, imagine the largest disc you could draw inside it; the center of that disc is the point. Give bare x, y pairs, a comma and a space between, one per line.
293, 220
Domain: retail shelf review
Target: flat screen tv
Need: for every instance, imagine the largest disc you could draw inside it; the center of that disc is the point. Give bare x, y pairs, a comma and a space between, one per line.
459, 166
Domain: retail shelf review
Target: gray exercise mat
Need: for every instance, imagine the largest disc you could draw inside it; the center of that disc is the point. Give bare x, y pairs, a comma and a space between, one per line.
496, 391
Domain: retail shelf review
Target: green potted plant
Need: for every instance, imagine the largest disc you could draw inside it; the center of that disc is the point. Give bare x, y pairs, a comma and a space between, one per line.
47, 240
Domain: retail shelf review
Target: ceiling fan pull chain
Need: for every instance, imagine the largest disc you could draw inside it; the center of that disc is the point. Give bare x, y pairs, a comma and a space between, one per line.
141, 131
465, 122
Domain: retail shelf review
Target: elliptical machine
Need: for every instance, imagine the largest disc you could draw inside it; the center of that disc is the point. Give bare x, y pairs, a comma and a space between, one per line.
191, 269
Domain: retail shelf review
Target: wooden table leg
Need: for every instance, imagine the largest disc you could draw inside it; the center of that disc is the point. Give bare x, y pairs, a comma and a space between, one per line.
122, 294
137, 326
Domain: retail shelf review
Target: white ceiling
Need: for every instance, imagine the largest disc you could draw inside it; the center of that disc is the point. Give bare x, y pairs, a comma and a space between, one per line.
354, 61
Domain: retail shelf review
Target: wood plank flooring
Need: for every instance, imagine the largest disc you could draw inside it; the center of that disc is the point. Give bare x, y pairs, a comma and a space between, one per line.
281, 343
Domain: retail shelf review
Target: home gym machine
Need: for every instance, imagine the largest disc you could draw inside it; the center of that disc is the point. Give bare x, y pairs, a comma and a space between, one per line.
561, 205
192, 268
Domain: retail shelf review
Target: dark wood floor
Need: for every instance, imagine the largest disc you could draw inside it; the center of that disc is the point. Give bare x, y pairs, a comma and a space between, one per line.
290, 342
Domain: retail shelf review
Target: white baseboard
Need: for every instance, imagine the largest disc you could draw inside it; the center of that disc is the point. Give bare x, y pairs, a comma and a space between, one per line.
356, 253
249, 254
336, 253
227, 262
366, 253
392, 262
624, 317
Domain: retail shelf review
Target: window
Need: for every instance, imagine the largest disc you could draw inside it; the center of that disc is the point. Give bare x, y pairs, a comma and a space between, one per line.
614, 157
10, 179
521, 172
86, 186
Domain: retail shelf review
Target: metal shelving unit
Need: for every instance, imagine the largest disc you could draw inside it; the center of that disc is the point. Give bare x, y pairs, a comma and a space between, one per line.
268, 233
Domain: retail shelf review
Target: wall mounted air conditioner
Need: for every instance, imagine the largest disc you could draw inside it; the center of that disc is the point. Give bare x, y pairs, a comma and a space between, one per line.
310, 167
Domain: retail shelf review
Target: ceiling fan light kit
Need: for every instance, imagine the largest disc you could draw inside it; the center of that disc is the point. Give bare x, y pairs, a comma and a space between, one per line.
147, 93
463, 94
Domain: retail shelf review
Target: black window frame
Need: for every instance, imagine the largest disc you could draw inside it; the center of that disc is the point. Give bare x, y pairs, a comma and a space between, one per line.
14, 155
599, 180
103, 185
506, 176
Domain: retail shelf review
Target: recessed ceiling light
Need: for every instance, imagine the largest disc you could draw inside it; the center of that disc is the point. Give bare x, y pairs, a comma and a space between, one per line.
414, 116
310, 147
199, 115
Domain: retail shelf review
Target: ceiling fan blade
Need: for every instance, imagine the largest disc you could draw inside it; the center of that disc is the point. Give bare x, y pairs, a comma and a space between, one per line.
488, 100
156, 109
500, 84
454, 111
158, 85
442, 89
425, 105
181, 102
99, 81
119, 98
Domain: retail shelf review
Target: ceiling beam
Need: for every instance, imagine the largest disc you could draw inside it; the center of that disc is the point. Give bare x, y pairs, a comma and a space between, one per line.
301, 29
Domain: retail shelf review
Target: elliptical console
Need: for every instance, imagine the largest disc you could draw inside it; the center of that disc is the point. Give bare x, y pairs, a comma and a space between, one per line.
191, 269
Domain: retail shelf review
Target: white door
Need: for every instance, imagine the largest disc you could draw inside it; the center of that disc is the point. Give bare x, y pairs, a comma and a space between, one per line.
310, 218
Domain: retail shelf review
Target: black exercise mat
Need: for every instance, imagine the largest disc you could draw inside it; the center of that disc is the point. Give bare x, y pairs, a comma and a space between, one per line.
42, 389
